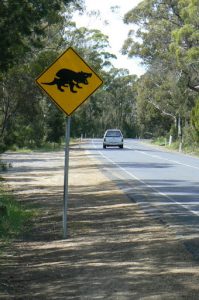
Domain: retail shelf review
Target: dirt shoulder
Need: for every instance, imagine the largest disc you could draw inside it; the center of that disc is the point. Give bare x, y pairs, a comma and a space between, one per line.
113, 250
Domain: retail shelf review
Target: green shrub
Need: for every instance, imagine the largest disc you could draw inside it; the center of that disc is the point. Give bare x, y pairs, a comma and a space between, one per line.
160, 141
14, 218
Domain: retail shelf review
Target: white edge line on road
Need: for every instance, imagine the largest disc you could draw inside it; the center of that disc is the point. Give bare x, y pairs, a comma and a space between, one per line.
148, 185
170, 160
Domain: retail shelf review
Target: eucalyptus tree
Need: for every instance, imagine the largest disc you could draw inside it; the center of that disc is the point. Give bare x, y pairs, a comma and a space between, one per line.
55, 124
21, 116
185, 42
165, 39
22, 104
120, 109
24, 25
112, 106
91, 44
156, 110
195, 121
30, 35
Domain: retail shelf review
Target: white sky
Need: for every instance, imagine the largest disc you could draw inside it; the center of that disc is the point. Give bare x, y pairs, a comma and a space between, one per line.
116, 29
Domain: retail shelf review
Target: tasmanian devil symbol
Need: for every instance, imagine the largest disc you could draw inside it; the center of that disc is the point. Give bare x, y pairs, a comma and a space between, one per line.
66, 77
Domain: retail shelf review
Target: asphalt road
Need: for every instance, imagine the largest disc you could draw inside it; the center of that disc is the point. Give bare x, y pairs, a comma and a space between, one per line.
165, 184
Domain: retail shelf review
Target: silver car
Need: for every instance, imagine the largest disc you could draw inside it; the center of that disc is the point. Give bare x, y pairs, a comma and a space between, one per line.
113, 137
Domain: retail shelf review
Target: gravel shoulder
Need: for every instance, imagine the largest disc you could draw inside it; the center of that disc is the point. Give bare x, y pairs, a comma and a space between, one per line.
113, 250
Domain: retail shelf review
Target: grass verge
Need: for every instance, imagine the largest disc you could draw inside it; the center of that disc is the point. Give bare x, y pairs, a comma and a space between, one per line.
192, 149
14, 219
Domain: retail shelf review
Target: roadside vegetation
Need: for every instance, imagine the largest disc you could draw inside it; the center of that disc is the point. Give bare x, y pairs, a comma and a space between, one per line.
15, 219
192, 149
163, 102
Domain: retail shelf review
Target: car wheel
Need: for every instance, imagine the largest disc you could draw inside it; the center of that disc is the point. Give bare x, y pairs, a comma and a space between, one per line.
121, 146
104, 146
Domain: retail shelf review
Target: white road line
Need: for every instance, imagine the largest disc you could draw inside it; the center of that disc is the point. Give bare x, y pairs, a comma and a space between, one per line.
170, 160
148, 185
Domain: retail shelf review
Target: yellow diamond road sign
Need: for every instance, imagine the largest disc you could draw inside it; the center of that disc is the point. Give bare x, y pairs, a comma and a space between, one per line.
69, 81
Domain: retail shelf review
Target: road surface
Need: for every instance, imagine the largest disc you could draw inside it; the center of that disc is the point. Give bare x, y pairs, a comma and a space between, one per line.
114, 249
164, 183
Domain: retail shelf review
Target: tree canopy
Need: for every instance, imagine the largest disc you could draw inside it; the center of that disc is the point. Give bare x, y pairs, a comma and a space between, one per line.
24, 24
166, 39
164, 36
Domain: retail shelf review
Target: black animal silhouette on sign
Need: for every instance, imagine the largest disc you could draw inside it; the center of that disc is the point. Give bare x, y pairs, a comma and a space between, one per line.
66, 77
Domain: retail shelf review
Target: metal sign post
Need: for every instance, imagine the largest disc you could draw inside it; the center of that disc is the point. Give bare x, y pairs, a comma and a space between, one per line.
68, 81
66, 168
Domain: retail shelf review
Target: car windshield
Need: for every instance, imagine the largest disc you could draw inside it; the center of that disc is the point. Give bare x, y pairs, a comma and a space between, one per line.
113, 133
